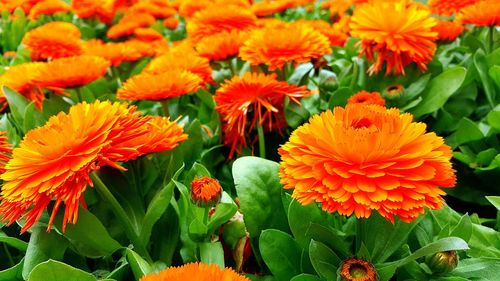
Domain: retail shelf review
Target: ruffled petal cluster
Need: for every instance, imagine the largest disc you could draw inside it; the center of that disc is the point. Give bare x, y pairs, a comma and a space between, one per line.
195, 271
481, 13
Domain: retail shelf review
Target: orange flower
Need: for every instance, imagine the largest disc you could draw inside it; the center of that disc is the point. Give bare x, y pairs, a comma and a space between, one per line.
171, 23
54, 161
257, 97
215, 19
20, 79
279, 45
129, 23
364, 158
448, 7
158, 9
205, 191
104, 10
269, 7
71, 72
403, 38
222, 45
5, 151
10, 54
48, 7
448, 30
116, 53
366, 98
482, 13
188, 8
53, 40
147, 34
162, 86
354, 269
195, 271
336, 37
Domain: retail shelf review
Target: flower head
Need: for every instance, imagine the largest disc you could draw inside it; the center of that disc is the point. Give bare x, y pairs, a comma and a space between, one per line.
244, 101
128, 24
365, 158
48, 7
53, 40
448, 30
222, 45
398, 40
334, 35
205, 191
54, 161
269, 7
116, 53
20, 78
195, 271
481, 13
158, 9
354, 269
104, 10
5, 151
162, 86
275, 46
171, 23
147, 34
366, 98
448, 7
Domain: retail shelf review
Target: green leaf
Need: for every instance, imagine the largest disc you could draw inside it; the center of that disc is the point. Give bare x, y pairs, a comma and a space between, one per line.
324, 260
495, 201
223, 212
487, 268
14, 273
33, 118
305, 277
139, 266
482, 68
89, 237
467, 131
280, 253
439, 90
494, 119
13, 242
42, 247
58, 271
463, 229
494, 73
259, 190
17, 104
299, 73
340, 97
212, 253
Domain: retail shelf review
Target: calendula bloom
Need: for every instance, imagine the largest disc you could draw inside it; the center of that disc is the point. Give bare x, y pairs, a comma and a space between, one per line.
404, 38
244, 101
222, 45
5, 151
171, 23
48, 7
481, 13
354, 269
53, 40
104, 10
20, 79
448, 30
448, 7
269, 7
54, 161
162, 86
158, 9
394, 90
366, 98
334, 35
147, 34
366, 158
129, 23
195, 271
187, 8
71, 72
276, 46
215, 19
116, 53
205, 191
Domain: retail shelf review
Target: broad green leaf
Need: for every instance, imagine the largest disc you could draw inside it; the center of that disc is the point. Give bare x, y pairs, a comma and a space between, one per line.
494, 119
467, 131
139, 266
89, 237
280, 253
299, 73
58, 271
340, 97
212, 253
33, 118
482, 69
14, 273
259, 190
463, 229
223, 212
487, 268
324, 260
305, 277
494, 73
439, 90
495, 201
17, 104
13, 242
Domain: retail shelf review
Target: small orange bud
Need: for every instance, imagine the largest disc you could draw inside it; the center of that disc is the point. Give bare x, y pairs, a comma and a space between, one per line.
354, 269
171, 23
394, 90
205, 191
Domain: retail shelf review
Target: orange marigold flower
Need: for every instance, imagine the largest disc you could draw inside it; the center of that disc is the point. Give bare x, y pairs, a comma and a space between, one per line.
195, 271
147, 34
269, 7
448, 30
448, 7
48, 7
129, 23
53, 40
405, 38
215, 19
481, 13
5, 151
366, 98
162, 86
20, 79
116, 53
158, 9
354, 269
254, 97
276, 46
206, 191
364, 158
336, 37
71, 72
104, 10
171, 23
222, 45
188, 8
54, 161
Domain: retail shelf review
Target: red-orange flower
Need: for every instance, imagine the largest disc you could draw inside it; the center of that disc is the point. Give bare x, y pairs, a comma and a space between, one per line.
71, 72
367, 158
5, 151
147, 34
244, 101
158, 9
116, 53
20, 79
205, 191
162, 86
171, 23
448, 7
48, 7
195, 271
336, 36
448, 30
482, 13
275, 46
104, 10
399, 40
354, 269
53, 40
269, 7
129, 23
222, 45
215, 19
366, 98
54, 161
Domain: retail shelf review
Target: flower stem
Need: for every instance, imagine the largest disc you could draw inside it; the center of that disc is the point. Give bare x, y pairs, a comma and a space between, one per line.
355, 74
120, 213
164, 105
262, 141
79, 94
491, 39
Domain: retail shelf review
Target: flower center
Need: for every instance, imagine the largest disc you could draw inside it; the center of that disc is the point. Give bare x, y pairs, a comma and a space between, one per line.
361, 123
357, 271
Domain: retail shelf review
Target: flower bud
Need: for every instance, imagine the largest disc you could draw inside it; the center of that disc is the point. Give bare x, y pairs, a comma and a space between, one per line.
354, 269
442, 262
205, 192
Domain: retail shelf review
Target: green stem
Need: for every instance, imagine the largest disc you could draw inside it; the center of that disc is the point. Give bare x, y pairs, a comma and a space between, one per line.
79, 94
122, 216
262, 141
164, 105
116, 75
491, 39
360, 223
355, 74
